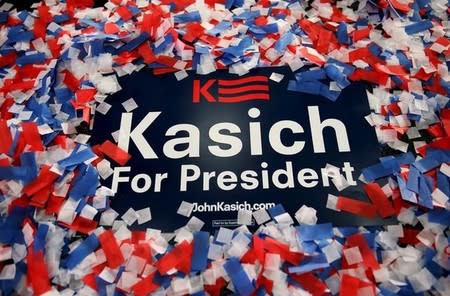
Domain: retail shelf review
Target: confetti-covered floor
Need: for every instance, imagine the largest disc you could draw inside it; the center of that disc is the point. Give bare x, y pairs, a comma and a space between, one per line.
60, 60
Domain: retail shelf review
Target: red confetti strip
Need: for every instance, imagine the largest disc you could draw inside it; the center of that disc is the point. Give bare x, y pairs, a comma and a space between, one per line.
54, 205
147, 53
21, 202
41, 23
111, 249
394, 109
4, 162
445, 119
84, 96
355, 207
80, 3
111, 28
379, 199
150, 22
326, 42
443, 144
114, 152
217, 288
312, 57
436, 131
143, 250
369, 76
193, 31
145, 286
365, 55
7, 103
29, 71
90, 280
5, 136
71, 81
83, 225
167, 61
262, 281
357, 240
126, 57
161, 71
137, 236
37, 272
258, 248
391, 69
350, 286
323, 39
185, 264
31, 135
8, 59
421, 74
410, 236
276, 247
12, 85
40, 198
311, 283
362, 33
54, 47
124, 13
45, 178
403, 7
176, 258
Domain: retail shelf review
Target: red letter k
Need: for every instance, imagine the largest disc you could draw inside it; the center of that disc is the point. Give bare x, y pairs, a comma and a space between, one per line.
202, 90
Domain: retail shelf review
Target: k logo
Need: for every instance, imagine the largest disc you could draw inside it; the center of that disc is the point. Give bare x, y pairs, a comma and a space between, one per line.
231, 91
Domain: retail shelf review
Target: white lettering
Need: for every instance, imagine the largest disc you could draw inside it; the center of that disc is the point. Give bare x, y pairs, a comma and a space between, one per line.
289, 183
226, 180
192, 141
234, 142
255, 133
135, 183
307, 174
317, 127
275, 137
249, 179
117, 178
185, 178
125, 134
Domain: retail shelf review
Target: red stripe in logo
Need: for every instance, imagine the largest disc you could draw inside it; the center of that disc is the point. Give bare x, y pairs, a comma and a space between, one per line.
243, 98
236, 90
235, 82
233, 91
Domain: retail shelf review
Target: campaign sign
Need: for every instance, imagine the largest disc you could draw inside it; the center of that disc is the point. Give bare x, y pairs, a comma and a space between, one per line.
223, 142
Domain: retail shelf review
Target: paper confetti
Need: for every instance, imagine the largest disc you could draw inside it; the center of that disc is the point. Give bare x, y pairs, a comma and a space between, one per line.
60, 61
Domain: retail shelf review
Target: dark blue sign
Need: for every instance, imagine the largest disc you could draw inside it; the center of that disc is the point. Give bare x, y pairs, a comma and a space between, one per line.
222, 142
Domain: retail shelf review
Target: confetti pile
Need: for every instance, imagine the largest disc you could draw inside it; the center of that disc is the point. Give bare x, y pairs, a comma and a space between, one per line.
59, 63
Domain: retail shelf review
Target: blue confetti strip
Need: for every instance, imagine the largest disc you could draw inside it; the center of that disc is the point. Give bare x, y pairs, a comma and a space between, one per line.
238, 277
418, 27
310, 264
201, 246
89, 245
315, 232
